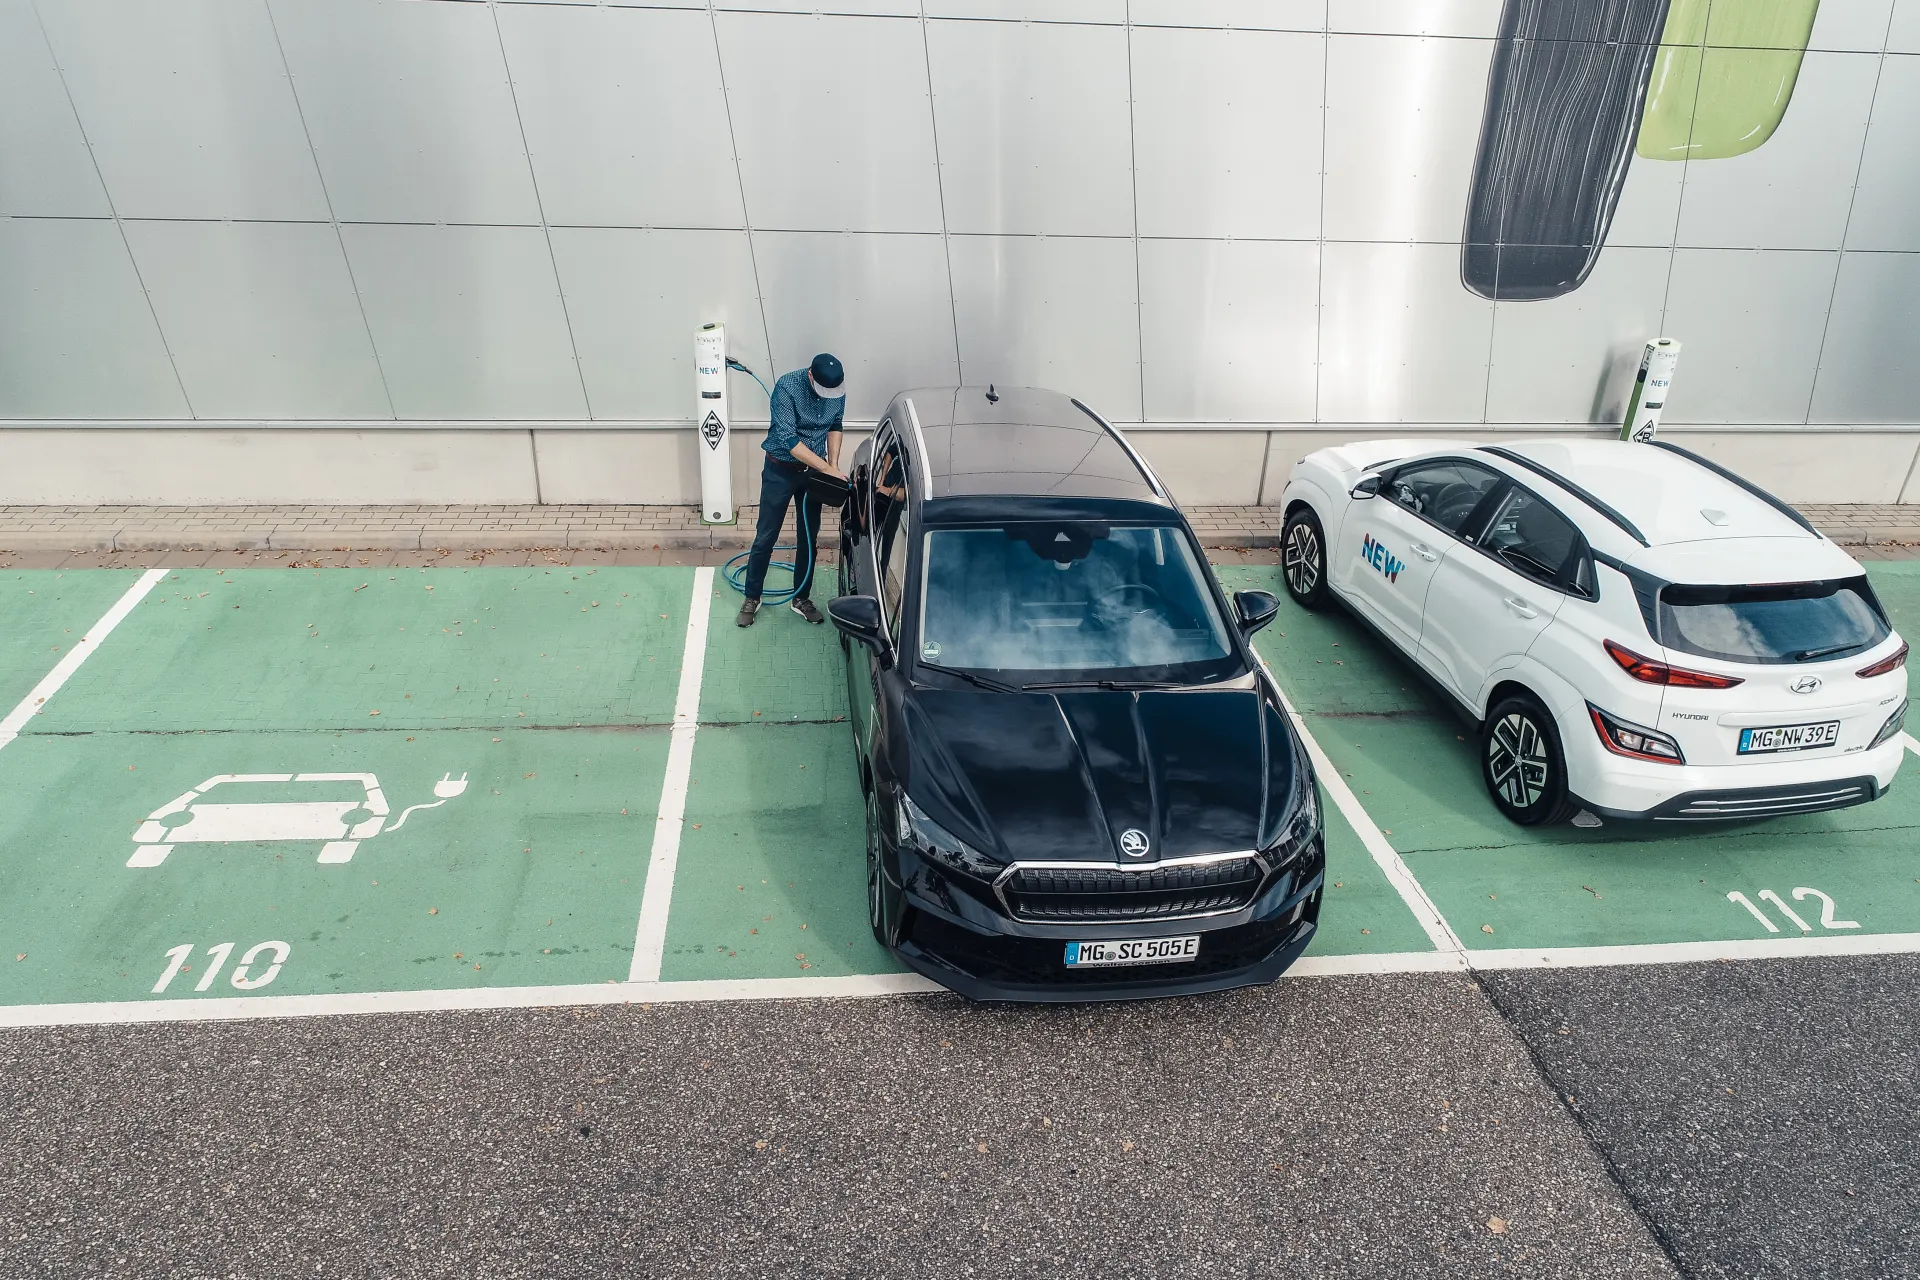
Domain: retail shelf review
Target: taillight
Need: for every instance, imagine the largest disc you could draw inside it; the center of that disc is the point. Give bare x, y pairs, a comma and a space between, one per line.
1625, 738
1648, 671
1892, 662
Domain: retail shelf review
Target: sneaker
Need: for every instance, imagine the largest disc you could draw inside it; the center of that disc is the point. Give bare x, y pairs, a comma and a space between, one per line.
804, 607
748, 608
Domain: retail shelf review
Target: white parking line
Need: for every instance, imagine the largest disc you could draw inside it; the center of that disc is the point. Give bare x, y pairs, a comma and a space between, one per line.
31, 705
1428, 916
869, 986
650, 936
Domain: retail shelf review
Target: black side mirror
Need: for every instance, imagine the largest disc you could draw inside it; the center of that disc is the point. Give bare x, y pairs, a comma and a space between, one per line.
858, 618
1368, 487
1255, 609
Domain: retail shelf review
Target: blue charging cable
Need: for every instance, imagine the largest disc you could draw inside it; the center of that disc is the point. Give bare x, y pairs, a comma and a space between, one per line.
735, 570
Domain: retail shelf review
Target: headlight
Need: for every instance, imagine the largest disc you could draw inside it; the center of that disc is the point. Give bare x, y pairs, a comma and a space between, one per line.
1304, 819
915, 828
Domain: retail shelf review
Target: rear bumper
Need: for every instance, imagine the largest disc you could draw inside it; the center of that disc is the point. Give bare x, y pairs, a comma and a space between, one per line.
1621, 788
986, 956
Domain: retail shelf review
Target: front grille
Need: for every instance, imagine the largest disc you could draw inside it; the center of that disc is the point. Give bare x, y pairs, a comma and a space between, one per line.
1099, 894
1768, 802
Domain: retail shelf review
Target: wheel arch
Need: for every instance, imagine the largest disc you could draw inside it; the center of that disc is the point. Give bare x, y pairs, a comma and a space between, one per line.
1563, 701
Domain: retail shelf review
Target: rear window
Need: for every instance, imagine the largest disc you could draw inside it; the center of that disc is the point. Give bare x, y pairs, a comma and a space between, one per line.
1785, 622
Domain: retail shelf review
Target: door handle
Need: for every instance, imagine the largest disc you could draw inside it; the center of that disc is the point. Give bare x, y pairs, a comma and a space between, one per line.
1425, 552
1521, 607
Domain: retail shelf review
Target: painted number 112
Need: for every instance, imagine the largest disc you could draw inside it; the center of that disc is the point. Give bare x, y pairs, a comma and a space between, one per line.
1827, 920
243, 979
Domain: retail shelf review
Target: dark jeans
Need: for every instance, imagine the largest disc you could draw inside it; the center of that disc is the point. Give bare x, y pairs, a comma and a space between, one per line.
781, 483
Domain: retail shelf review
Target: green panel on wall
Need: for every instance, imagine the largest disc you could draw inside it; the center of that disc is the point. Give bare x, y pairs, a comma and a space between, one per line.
1723, 77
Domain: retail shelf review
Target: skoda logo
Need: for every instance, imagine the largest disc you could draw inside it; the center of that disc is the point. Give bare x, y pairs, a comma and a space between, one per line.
1133, 842
1805, 684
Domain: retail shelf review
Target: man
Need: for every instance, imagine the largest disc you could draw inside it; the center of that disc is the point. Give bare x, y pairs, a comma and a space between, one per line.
804, 434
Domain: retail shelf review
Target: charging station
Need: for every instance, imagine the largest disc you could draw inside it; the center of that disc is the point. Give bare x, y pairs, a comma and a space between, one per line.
712, 424
1650, 388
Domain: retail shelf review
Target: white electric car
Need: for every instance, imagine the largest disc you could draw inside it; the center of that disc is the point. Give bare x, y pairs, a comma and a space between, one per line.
1635, 631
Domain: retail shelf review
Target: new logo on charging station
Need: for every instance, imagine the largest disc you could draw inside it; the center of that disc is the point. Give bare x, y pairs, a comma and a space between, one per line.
1375, 554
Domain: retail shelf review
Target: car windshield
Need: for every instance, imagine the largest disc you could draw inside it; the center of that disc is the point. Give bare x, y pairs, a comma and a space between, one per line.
1071, 599
1785, 622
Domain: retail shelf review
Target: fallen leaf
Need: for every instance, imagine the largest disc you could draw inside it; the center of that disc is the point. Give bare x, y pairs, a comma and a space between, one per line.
433, 911
981, 1147
1497, 1225
1486, 928
373, 713
1126, 1145
21, 956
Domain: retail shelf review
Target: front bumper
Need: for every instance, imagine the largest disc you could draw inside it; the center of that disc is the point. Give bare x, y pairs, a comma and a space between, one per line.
963, 941
1631, 789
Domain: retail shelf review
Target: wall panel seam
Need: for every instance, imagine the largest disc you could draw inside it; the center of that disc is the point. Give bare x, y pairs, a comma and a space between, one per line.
353, 280
1133, 186
546, 234
113, 209
1853, 197
740, 181
940, 186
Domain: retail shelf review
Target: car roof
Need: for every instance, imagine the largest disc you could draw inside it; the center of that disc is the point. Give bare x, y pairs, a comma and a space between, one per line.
1025, 442
1668, 497
1665, 495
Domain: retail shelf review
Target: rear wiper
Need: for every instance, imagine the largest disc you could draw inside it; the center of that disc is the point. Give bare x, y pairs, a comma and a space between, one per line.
1808, 655
985, 683
1103, 684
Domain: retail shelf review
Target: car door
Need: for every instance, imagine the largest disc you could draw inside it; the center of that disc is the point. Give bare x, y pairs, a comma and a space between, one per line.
879, 570
1390, 545
1496, 593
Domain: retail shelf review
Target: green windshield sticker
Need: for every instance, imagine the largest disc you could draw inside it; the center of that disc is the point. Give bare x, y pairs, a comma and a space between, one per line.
1723, 76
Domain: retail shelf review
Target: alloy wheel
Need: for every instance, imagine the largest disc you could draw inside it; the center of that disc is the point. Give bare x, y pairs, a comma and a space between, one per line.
1301, 559
1517, 760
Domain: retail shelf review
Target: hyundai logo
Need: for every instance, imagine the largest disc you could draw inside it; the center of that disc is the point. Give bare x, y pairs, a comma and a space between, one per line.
1133, 842
1805, 684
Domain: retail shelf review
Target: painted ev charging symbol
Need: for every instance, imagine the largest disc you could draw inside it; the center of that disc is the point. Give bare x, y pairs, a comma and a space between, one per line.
338, 809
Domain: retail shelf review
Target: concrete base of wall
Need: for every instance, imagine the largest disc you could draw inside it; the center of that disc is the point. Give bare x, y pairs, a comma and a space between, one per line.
526, 464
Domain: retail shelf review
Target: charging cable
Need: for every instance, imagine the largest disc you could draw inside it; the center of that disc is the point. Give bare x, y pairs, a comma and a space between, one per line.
735, 570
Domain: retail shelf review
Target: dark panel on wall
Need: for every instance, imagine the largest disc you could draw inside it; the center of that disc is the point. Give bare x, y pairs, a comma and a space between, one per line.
1563, 106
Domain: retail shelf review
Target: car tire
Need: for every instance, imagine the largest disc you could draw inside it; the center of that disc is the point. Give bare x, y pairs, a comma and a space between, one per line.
1522, 762
1303, 558
881, 917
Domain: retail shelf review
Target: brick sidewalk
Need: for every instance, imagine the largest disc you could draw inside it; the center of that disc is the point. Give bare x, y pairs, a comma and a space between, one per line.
107, 530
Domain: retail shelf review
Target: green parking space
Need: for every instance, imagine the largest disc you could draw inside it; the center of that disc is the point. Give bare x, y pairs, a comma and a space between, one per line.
771, 877
526, 869
1415, 770
46, 611
303, 649
298, 782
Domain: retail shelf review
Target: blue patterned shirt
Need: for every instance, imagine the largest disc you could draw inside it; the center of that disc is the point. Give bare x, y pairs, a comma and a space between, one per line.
801, 417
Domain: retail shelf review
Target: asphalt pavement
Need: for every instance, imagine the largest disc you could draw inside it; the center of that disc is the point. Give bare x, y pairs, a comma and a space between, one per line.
1764, 1117
1387, 1127
1727, 1120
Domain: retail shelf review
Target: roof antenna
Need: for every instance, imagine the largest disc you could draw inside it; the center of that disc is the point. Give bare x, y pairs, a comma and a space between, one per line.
992, 398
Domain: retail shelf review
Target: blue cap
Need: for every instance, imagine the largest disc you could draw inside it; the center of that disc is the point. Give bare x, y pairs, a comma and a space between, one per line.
827, 371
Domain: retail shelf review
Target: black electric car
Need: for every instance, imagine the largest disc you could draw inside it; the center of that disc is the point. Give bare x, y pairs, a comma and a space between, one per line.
1080, 783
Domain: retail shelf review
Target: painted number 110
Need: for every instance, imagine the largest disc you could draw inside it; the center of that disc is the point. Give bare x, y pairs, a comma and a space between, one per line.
243, 978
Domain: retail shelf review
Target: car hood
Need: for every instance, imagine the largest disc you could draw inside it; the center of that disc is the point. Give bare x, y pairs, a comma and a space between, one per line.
1061, 776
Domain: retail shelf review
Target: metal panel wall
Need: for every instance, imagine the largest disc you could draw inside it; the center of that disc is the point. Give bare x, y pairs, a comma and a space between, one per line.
1222, 213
